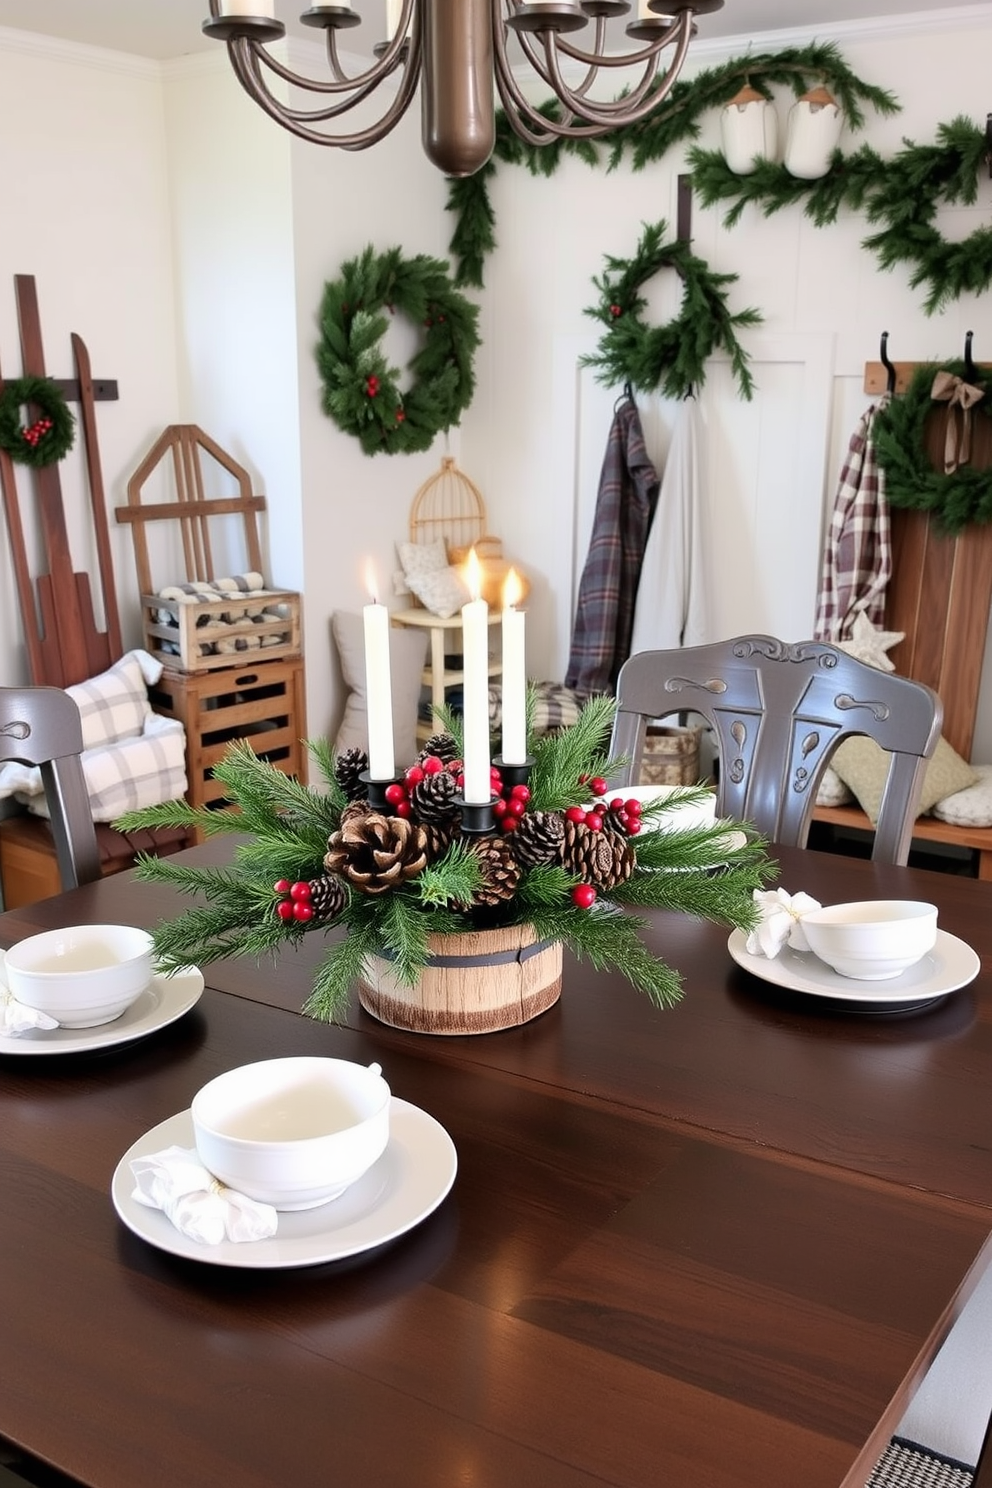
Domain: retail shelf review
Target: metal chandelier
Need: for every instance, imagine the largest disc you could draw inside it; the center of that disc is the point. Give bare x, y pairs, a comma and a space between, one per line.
456, 49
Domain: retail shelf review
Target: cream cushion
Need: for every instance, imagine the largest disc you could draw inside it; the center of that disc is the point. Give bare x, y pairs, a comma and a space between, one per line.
832, 791
971, 807
864, 766
407, 654
442, 591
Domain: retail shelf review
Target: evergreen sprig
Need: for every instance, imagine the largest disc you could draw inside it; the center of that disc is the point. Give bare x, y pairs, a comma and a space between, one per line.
669, 358
676, 124
284, 826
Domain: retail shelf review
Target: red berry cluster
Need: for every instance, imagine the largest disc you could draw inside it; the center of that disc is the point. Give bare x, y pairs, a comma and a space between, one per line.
36, 431
294, 900
372, 385
398, 794
626, 815
616, 310
510, 803
400, 415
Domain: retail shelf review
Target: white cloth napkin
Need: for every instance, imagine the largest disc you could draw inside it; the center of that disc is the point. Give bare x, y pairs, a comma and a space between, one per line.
781, 922
175, 1181
15, 1018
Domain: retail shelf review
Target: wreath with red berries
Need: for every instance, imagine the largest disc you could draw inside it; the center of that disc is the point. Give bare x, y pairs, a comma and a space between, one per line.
362, 392
50, 437
668, 359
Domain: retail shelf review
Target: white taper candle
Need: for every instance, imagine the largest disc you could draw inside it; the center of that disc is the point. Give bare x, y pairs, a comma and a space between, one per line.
514, 737
378, 689
475, 671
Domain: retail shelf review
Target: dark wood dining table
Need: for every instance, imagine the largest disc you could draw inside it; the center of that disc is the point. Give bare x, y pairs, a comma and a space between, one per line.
714, 1245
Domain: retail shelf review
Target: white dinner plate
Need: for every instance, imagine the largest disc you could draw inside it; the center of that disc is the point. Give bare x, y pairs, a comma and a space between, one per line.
407, 1183
950, 965
165, 999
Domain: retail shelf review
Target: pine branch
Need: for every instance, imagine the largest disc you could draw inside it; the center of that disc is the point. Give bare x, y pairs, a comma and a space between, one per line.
609, 938
560, 759
180, 814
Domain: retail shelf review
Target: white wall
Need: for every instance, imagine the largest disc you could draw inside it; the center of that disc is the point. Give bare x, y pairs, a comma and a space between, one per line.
85, 210
144, 179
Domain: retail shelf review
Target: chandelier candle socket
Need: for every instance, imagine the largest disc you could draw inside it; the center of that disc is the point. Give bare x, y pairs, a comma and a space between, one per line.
475, 665
382, 761
514, 735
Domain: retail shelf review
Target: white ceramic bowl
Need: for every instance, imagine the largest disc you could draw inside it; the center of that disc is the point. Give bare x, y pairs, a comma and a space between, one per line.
83, 975
293, 1132
874, 938
683, 816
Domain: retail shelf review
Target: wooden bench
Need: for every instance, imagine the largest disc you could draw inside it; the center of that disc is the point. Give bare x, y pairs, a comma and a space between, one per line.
939, 595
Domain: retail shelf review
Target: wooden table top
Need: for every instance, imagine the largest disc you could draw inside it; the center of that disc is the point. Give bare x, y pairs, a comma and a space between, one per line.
715, 1245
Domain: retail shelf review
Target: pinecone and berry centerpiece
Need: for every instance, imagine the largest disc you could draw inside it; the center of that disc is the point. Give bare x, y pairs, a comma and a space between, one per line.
450, 930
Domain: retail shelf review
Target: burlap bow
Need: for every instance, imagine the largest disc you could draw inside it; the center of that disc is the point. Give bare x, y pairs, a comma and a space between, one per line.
957, 394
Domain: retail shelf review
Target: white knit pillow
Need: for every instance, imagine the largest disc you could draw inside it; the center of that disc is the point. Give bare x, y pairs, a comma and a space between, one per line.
971, 807
442, 592
832, 790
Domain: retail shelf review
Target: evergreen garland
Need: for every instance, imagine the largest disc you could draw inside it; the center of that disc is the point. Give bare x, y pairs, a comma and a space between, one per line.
670, 358
361, 390
903, 195
50, 438
910, 480
287, 826
652, 138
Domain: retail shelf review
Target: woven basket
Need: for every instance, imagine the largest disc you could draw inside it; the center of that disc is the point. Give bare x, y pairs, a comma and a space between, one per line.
670, 757
475, 983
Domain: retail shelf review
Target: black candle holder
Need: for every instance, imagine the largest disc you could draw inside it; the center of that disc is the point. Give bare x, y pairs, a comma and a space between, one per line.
377, 790
512, 775
477, 818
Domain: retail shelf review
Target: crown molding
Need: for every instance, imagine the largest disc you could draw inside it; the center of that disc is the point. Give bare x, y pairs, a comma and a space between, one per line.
873, 28
77, 53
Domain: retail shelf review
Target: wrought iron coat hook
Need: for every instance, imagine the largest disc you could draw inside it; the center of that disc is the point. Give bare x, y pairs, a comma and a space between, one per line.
970, 370
883, 356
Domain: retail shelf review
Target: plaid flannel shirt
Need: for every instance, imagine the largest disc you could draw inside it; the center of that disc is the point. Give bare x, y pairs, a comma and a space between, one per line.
857, 554
604, 616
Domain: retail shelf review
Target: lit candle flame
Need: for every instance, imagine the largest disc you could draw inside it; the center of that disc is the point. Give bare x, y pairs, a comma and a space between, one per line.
512, 590
473, 574
370, 582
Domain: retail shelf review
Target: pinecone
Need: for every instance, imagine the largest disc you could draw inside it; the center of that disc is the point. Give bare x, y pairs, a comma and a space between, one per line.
500, 870
375, 853
347, 768
328, 897
539, 838
433, 798
599, 858
354, 811
442, 746
440, 836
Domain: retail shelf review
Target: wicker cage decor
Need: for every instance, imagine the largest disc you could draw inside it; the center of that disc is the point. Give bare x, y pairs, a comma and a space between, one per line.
450, 506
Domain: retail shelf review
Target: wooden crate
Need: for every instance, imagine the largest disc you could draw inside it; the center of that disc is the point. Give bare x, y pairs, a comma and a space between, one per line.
263, 703
179, 634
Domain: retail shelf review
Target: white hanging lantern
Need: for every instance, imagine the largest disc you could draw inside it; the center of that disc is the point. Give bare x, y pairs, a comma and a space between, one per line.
814, 129
749, 130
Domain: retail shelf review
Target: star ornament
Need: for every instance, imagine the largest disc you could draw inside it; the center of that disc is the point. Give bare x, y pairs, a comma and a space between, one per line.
870, 645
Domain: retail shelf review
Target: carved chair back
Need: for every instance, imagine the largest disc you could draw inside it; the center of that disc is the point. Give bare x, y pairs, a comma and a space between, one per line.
778, 711
41, 726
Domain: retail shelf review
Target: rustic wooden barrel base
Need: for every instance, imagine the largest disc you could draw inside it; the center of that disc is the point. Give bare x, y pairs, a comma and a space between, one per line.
475, 983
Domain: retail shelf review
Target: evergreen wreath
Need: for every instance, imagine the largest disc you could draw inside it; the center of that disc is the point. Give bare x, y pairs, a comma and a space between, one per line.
50, 438
391, 881
670, 358
361, 390
678, 123
910, 480
902, 194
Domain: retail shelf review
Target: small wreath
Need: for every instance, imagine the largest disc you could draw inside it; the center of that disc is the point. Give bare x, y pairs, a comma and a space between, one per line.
910, 479
47, 440
671, 358
361, 390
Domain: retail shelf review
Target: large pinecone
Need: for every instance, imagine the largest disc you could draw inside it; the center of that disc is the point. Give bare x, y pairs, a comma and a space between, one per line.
328, 897
375, 853
599, 858
500, 870
347, 768
442, 746
440, 836
539, 838
433, 798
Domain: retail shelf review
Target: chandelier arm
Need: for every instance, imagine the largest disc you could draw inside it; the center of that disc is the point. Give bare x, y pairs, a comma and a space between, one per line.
625, 109
297, 121
526, 122
367, 80
678, 28
619, 107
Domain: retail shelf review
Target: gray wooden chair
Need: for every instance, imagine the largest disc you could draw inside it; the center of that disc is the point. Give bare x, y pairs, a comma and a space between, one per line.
40, 726
778, 710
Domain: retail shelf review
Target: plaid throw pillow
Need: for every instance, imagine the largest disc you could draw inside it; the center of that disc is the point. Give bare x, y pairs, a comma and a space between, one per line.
115, 704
